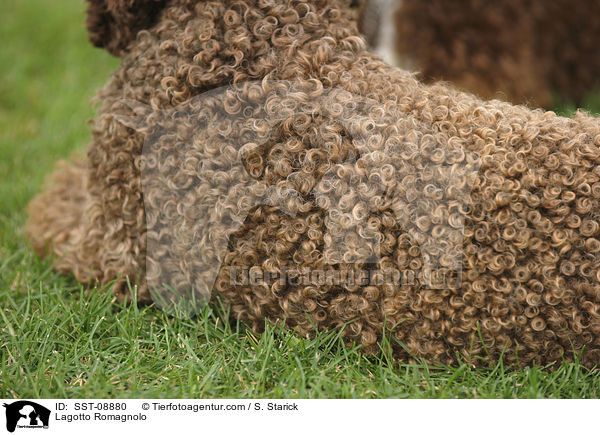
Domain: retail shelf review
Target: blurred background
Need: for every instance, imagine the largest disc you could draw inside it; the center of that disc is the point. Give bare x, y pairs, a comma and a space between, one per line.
543, 53
49, 74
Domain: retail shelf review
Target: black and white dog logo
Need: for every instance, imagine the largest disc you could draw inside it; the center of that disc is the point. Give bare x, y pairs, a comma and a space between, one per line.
26, 414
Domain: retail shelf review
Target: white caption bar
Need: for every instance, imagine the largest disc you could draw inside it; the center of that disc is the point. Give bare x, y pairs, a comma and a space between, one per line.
265, 416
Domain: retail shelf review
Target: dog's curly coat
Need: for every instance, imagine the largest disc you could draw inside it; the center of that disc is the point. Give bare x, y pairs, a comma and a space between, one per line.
531, 251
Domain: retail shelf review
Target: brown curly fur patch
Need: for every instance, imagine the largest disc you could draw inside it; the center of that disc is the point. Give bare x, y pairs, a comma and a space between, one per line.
518, 50
531, 248
113, 24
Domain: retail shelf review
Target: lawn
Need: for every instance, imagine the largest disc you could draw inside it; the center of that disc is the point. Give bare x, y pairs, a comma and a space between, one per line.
57, 340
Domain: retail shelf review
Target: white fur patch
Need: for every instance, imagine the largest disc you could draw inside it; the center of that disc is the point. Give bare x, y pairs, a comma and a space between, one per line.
386, 40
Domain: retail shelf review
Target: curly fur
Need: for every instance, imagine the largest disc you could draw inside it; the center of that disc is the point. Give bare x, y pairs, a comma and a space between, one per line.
113, 24
519, 50
531, 250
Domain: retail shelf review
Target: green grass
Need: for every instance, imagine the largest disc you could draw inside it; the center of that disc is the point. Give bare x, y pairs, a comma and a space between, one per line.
58, 341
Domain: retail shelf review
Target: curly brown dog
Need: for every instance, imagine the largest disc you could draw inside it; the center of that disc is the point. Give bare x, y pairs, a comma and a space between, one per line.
522, 51
387, 174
